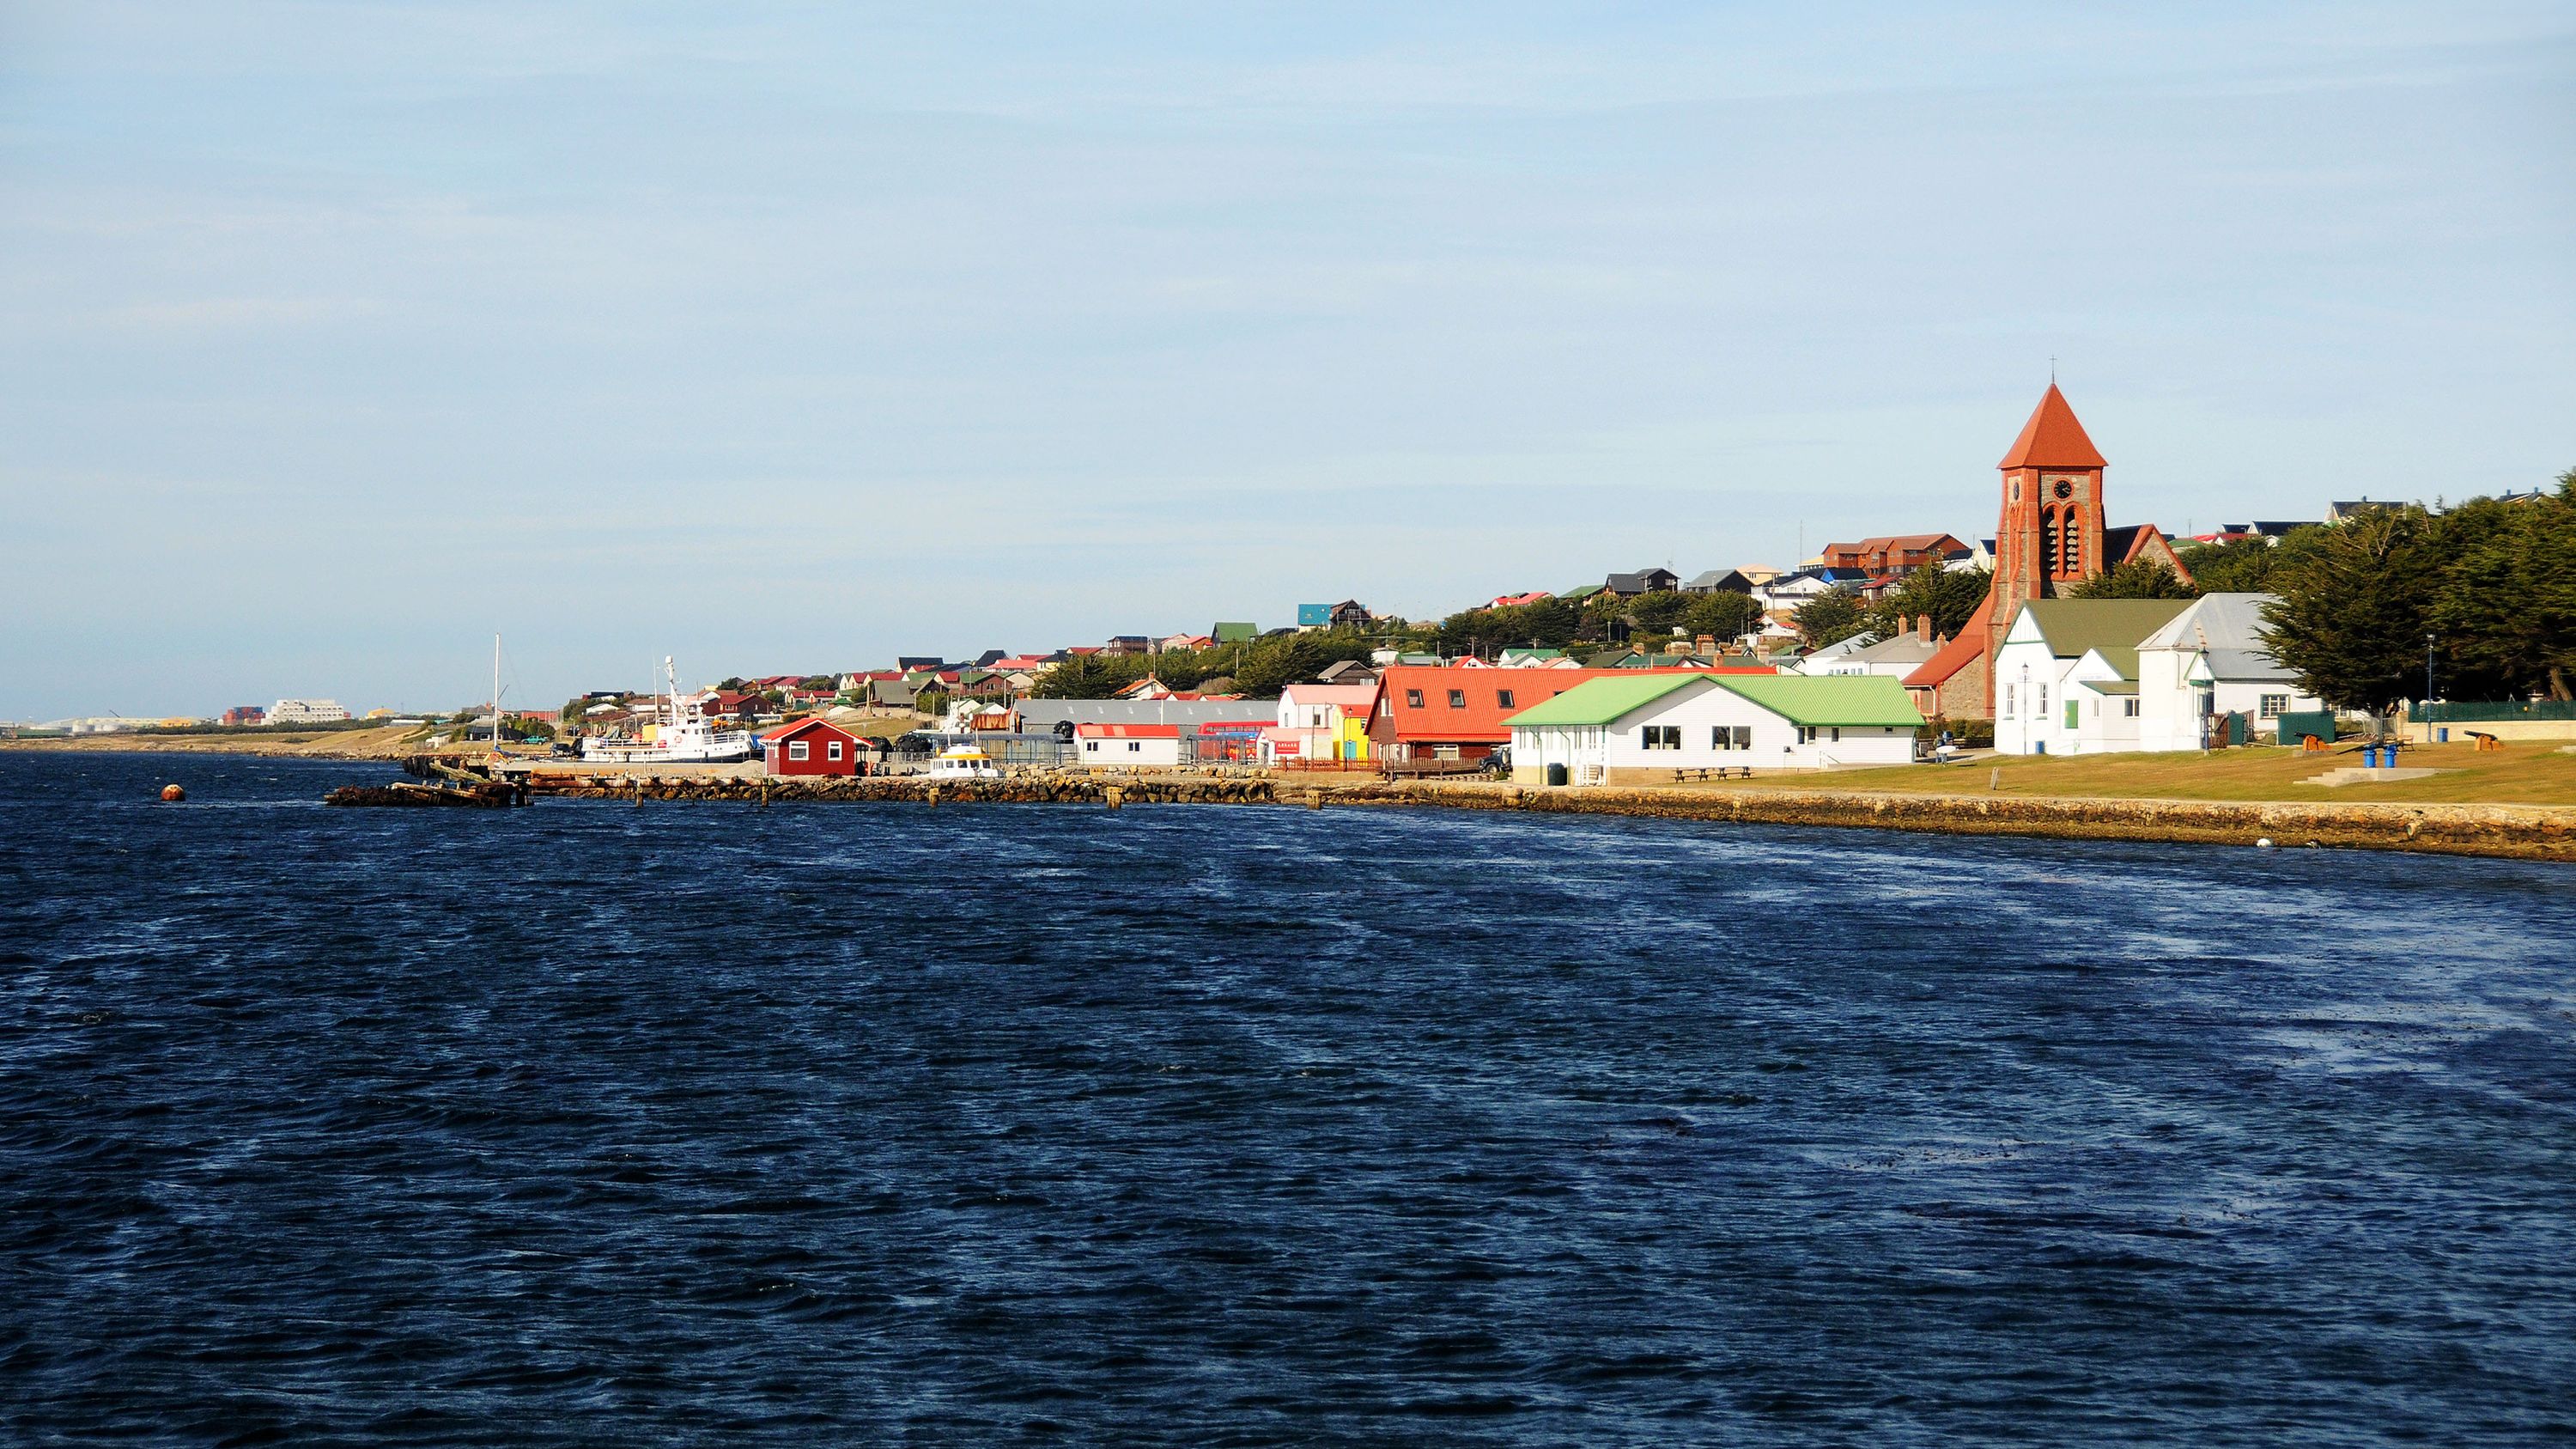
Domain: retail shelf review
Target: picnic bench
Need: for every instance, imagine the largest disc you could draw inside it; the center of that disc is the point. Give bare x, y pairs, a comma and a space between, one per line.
1713, 772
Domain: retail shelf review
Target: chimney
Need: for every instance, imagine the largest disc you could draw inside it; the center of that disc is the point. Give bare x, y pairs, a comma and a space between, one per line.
1923, 628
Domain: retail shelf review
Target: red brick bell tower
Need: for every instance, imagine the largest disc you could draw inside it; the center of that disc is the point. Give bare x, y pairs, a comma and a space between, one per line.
2050, 533
2051, 529
2049, 536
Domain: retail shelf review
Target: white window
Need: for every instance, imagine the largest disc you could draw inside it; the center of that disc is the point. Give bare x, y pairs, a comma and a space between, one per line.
1662, 737
1730, 737
796, 749
832, 750
2129, 708
1091, 745
2273, 706
2042, 710
1135, 745
1838, 734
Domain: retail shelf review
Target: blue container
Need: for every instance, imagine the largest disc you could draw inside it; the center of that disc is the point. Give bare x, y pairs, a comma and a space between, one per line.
2370, 757
2442, 735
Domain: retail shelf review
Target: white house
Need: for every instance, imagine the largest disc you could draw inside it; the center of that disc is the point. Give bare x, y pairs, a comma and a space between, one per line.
1126, 746
2208, 661
1895, 658
1640, 728
1320, 722
2066, 677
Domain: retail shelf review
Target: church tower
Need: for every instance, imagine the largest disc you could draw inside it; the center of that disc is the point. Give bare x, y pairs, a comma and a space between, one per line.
2050, 534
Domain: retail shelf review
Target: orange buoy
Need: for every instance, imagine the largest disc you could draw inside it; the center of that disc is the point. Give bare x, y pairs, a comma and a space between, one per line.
173, 793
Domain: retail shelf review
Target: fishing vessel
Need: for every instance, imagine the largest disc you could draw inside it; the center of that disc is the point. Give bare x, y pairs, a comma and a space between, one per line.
678, 734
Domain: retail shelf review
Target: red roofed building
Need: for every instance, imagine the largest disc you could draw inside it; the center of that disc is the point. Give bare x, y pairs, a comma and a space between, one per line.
1895, 554
2049, 538
1126, 746
1434, 712
810, 747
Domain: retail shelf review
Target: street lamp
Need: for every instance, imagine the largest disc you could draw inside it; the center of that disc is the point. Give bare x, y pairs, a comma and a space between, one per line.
2024, 709
2428, 688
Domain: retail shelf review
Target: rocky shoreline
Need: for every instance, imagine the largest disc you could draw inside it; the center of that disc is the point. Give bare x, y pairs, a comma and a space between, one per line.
2522, 832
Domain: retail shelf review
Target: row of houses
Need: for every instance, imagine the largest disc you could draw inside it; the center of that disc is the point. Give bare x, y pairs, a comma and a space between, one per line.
1595, 726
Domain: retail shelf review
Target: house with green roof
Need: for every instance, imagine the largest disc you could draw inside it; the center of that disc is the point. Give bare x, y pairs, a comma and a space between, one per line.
2066, 677
1233, 632
1643, 728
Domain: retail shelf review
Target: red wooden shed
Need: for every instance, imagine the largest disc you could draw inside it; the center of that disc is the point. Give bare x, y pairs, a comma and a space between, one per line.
814, 746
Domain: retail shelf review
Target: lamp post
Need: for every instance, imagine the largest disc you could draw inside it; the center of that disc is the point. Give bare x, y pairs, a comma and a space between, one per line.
2428, 688
2023, 710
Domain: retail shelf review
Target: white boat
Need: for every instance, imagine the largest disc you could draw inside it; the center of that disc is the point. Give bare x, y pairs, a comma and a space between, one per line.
679, 734
963, 762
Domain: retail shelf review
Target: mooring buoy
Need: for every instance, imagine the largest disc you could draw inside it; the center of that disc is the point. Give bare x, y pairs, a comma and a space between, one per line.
173, 794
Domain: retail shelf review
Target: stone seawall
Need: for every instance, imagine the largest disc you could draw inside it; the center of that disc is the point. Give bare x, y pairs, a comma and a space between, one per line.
2529, 832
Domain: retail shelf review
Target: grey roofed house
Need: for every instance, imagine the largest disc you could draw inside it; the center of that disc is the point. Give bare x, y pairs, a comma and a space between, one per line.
1643, 581
2227, 631
1719, 581
1040, 715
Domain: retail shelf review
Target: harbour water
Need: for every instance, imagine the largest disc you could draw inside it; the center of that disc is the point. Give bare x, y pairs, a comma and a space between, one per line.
854, 1124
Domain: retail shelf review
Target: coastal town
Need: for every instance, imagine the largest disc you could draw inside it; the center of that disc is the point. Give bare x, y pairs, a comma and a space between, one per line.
2060, 633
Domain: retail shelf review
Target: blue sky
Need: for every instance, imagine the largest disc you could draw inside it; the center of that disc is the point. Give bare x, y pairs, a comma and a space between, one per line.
336, 336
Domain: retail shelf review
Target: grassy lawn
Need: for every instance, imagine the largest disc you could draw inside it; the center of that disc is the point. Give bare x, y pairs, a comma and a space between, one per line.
2519, 774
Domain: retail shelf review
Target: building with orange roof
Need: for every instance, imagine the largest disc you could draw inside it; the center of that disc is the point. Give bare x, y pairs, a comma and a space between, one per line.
2049, 537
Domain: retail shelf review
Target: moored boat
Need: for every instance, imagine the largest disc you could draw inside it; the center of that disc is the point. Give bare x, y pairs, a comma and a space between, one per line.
679, 734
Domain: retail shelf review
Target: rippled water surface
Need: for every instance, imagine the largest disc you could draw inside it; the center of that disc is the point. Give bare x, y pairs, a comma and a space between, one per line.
878, 1124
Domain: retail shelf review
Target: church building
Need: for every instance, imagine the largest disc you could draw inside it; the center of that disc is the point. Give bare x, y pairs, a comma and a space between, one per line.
2051, 537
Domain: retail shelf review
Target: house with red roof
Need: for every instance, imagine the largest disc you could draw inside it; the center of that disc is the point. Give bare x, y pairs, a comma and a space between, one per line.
1435, 712
1126, 746
811, 746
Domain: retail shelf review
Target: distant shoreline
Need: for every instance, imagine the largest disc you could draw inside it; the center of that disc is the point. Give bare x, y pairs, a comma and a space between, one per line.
392, 742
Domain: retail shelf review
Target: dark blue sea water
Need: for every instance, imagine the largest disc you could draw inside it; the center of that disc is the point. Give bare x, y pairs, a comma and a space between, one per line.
594, 1124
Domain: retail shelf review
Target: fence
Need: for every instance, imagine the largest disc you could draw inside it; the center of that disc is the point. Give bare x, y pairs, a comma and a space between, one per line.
2491, 711
2295, 727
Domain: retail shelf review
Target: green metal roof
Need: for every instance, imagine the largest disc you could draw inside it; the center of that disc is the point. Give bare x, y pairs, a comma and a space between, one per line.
1601, 701
1827, 699
1225, 632
2073, 626
2110, 686
1584, 591
1833, 699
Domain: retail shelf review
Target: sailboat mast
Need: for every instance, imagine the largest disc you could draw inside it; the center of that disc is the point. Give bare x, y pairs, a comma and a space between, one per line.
496, 691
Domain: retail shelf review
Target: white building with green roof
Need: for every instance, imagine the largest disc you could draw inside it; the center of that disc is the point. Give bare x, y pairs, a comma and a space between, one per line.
1640, 729
2066, 678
